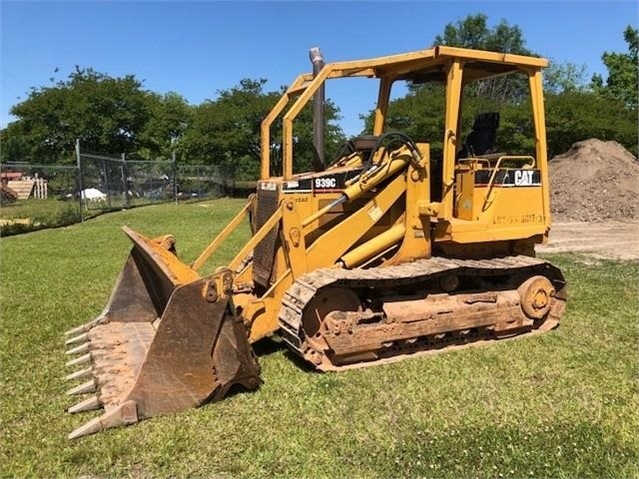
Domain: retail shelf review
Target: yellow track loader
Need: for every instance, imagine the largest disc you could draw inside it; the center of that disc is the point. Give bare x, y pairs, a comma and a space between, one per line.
394, 250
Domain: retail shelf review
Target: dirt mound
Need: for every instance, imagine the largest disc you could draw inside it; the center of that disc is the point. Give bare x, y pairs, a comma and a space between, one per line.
594, 181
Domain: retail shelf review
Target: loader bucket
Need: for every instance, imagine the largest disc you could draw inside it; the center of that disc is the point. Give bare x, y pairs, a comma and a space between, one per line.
167, 340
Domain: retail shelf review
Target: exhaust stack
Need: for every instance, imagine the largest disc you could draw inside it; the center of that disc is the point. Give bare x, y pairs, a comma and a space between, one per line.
316, 57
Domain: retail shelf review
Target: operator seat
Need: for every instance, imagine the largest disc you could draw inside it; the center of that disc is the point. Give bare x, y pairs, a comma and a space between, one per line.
482, 137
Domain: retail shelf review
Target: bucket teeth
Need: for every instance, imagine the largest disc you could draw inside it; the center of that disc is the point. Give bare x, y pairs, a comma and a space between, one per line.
83, 348
81, 360
77, 330
91, 427
86, 387
83, 373
77, 339
83, 328
89, 404
123, 414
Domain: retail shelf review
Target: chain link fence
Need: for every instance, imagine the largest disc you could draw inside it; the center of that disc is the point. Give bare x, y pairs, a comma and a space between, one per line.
99, 183
112, 183
38, 196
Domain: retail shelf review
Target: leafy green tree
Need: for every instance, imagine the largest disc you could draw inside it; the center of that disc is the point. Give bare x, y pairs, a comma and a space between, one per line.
170, 115
105, 113
14, 145
623, 72
226, 131
474, 32
564, 77
579, 115
419, 114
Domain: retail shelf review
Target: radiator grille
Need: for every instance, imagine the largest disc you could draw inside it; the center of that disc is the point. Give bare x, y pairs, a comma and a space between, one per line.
264, 252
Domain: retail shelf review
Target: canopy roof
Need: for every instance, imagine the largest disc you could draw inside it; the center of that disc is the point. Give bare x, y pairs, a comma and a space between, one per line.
427, 65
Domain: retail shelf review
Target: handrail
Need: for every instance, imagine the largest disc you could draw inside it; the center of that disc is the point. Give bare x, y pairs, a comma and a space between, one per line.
491, 182
474, 160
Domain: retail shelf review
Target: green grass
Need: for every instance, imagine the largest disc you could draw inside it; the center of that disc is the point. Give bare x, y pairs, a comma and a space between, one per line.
564, 404
31, 214
34, 209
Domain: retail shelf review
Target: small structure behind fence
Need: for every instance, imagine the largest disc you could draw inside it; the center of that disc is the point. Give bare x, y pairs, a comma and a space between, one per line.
40, 181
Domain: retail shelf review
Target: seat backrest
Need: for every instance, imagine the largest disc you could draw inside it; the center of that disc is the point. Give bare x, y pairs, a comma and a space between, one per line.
482, 137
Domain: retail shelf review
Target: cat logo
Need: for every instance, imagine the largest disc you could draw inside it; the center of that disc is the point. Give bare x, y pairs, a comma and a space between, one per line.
523, 178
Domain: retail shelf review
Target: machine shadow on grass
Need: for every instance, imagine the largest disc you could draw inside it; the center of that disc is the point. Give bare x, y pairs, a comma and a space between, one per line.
269, 346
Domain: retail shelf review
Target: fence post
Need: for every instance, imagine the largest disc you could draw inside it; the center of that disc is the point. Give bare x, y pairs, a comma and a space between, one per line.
175, 189
106, 182
79, 173
125, 183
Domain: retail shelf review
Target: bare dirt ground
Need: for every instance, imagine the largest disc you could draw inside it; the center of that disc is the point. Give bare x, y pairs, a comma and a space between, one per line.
609, 240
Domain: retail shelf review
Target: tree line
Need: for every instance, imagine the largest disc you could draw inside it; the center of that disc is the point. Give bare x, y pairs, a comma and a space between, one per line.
119, 115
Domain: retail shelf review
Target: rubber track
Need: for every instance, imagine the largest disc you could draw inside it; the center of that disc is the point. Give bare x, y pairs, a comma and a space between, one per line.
305, 287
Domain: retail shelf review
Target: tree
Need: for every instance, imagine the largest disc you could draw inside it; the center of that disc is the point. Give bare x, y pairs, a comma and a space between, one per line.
170, 115
419, 114
474, 32
623, 72
226, 131
564, 77
579, 115
107, 114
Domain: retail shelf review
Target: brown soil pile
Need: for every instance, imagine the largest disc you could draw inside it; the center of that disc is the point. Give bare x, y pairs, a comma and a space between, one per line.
594, 181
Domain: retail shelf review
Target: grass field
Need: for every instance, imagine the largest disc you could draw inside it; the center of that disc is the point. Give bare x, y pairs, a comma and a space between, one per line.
31, 215
564, 404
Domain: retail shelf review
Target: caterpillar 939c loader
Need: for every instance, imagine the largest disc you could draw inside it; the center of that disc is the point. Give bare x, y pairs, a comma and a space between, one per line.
390, 252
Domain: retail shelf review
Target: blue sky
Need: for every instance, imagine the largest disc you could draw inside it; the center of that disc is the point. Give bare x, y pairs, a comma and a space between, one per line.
197, 48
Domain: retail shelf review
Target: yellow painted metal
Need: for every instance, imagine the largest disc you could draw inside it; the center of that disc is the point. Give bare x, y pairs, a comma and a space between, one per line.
317, 215
352, 241
453, 94
494, 57
261, 314
384, 213
382, 105
465, 199
529, 162
388, 68
294, 110
339, 241
169, 265
383, 172
539, 121
219, 239
329, 247
376, 245
416, 242
405, 196
293, 235
265, 127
